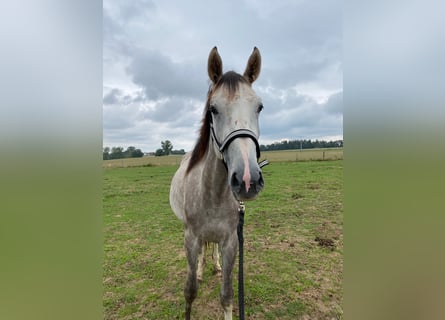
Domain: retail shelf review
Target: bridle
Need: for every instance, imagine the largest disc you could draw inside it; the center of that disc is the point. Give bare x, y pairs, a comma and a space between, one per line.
239, 133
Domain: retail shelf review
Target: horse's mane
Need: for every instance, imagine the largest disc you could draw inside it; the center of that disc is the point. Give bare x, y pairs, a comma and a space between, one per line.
230, 81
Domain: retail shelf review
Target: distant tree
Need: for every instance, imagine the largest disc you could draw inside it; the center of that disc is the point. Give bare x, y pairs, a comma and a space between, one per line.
106, 153
301, 144
117, 153
129, 151
132, 152
178, 151
159, 153
137, 153
167, 147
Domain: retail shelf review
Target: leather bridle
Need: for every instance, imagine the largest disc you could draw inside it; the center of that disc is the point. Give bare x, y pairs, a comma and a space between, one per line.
239, 133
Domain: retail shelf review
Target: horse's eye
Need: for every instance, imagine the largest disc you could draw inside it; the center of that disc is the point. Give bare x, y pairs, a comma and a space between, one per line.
260, 108
213, 110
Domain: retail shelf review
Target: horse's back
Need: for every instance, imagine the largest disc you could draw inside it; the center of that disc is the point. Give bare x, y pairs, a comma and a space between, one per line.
177, 188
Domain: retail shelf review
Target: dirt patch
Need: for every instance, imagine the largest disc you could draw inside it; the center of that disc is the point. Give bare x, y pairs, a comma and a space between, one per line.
296, 196
325, 242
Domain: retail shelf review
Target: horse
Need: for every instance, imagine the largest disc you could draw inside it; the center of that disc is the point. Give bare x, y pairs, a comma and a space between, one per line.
218, 173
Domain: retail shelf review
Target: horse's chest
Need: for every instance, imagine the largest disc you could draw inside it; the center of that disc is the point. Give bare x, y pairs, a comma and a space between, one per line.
214, 224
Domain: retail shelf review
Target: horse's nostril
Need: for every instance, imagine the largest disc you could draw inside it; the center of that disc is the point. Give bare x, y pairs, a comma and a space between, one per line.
234, 181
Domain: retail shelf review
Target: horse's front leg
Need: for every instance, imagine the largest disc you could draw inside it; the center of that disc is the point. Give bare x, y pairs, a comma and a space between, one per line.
193, 248
228, 252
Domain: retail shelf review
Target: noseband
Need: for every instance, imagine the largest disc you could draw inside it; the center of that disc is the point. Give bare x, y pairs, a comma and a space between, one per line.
239, 133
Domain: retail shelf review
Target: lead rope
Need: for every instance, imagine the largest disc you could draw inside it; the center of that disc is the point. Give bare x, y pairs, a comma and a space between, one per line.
239, 231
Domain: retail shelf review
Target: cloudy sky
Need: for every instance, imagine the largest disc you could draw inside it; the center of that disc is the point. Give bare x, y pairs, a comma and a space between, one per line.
155, 67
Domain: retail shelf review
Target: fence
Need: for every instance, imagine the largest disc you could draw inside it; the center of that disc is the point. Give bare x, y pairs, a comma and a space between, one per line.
272, 156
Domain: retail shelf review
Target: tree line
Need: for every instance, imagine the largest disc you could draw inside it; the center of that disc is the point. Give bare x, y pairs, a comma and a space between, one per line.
167, 148
301, 144
161, 152
131, 152
119, 153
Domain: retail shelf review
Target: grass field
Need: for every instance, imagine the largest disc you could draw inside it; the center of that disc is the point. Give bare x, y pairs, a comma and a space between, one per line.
293, 246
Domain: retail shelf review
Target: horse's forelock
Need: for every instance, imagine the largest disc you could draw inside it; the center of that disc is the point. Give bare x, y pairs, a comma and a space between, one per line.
231, 81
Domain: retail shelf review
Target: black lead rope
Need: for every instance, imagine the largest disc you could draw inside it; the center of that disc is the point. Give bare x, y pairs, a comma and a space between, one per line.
240, 260
239, 231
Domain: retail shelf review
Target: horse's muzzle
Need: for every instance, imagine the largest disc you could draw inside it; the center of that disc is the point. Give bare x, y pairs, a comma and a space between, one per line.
246, 188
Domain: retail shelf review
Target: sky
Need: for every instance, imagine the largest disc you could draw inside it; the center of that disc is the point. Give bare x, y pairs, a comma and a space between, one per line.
155, 78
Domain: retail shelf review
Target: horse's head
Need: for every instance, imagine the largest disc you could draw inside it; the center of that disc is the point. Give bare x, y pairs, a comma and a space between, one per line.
232, 110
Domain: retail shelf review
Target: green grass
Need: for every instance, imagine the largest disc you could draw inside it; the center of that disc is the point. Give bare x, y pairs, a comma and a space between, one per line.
288, 275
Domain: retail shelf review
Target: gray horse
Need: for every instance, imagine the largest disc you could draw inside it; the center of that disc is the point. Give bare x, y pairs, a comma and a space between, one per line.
221, 170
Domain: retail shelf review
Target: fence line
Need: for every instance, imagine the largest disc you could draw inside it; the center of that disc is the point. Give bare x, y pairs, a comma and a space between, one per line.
273, 156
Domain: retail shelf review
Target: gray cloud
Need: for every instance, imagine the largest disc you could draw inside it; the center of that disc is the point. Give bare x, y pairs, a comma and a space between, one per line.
174, 111
161, 77
335, 104
112, 97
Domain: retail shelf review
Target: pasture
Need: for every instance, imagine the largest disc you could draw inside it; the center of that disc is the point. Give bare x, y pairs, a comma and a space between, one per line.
293, 237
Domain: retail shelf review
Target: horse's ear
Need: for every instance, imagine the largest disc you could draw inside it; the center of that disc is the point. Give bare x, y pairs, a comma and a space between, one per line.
214, 65
253, 67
